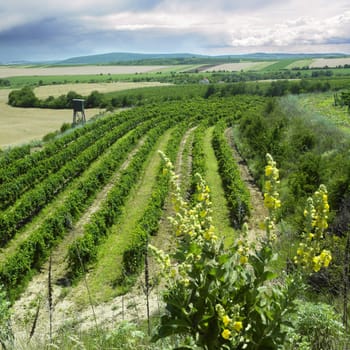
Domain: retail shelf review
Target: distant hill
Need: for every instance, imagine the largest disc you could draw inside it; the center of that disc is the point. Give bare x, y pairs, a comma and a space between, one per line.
126, 57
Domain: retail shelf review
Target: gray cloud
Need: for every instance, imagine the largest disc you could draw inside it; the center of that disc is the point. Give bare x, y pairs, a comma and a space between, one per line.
60, 29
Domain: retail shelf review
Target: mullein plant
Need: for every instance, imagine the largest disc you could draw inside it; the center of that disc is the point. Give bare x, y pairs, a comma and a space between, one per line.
220, 297
310, 255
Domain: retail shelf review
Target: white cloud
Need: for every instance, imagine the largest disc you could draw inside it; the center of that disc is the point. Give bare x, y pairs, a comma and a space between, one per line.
301, 31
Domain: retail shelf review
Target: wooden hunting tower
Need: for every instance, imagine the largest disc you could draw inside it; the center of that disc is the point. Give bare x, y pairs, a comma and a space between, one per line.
78, 111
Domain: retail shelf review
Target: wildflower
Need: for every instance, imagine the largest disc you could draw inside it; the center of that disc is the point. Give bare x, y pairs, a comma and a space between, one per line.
317, 263
268, 170
226, 334
237, 326
268, 186
325, 257
243, 260
226, 320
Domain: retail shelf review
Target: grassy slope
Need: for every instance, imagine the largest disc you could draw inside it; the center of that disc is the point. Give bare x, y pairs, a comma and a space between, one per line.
323, 104
220, 211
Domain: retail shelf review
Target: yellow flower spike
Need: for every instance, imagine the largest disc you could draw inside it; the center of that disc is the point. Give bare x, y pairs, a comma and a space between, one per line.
226, 334
268, 170
226, 320
207, 235
325, 257
268, 186
237, 326
243, 260
317, 264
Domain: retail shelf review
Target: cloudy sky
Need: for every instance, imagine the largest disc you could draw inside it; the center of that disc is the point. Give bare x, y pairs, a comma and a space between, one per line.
58, 29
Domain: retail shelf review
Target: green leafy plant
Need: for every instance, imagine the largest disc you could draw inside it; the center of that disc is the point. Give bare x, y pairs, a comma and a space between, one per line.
318, 326
225, 297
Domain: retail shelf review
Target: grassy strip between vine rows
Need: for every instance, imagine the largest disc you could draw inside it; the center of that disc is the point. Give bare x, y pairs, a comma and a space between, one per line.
148, 224
219, 205
34, 200
237, 194
17, 268
83, 250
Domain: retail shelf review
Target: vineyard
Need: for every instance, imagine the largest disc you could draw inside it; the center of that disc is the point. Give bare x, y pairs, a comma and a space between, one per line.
82, 210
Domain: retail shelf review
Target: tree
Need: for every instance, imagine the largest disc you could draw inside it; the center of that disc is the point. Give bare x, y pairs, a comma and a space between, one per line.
24, 97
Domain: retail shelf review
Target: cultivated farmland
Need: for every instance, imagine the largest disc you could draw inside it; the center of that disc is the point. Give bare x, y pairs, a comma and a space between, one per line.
329, 62
236, 67
10, 71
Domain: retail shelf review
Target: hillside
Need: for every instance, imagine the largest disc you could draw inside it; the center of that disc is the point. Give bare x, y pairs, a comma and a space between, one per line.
183, 58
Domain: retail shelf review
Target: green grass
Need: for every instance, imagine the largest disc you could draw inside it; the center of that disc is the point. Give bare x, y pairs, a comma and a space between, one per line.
108, 268
281, 64
219, 206
323, 104
300, 64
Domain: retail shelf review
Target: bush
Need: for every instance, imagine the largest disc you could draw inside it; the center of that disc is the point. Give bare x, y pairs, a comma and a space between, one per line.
318, 325
23, 98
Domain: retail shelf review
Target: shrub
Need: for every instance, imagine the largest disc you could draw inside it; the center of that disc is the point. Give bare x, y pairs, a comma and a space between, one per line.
318, 325
24, 97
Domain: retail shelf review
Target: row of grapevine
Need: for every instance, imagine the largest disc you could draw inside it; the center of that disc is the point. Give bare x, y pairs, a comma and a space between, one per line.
148, 224
22, 256
11, 155
34, 200
198, 155
10, 191
237, 194
84, 249
23, 164
20, 264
